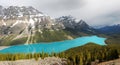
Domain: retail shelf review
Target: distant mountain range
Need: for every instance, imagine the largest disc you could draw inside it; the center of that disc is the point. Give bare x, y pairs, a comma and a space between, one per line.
114, 29
19, 25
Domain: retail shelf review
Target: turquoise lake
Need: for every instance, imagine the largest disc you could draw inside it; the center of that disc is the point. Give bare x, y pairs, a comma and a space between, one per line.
54, 46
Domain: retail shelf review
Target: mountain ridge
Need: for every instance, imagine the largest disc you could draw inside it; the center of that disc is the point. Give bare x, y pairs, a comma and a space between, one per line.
113, 29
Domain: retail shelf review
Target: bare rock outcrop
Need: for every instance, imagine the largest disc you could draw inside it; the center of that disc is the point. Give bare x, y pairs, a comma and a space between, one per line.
45, 61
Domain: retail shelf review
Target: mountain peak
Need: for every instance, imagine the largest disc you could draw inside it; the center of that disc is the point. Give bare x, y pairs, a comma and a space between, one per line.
12, 12
17, 20
71, 23
82, 22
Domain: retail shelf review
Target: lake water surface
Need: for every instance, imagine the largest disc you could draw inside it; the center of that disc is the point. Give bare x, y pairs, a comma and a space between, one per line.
54, 46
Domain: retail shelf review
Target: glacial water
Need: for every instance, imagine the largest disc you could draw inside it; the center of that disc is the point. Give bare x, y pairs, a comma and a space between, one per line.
54, 46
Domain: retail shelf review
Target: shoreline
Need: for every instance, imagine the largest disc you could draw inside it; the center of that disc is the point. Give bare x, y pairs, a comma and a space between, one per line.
3, 47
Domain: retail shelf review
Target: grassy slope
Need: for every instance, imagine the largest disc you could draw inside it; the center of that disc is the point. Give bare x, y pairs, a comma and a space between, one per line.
46, 36
113, 39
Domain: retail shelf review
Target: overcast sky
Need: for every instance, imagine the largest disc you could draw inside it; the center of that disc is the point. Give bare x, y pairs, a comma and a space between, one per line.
94, 12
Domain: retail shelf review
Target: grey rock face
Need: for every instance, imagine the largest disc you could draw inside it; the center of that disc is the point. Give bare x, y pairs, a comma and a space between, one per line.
17, 20
70, 22
15, 11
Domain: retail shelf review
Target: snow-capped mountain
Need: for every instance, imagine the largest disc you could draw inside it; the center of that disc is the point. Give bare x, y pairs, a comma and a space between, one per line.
15, 12
71, 23
17, 20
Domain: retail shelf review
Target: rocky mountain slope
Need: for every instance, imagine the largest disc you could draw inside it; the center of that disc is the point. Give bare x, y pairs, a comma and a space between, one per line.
79, 28
24, 24
17, 20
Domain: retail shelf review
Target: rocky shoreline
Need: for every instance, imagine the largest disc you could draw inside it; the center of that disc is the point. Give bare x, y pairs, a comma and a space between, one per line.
3, 47
45, 61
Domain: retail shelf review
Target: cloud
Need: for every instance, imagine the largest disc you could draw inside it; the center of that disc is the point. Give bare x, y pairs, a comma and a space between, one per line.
61, 5
99, 12
94, 12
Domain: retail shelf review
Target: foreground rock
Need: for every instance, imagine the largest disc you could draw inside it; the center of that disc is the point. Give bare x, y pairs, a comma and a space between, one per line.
112, 62
45, 61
